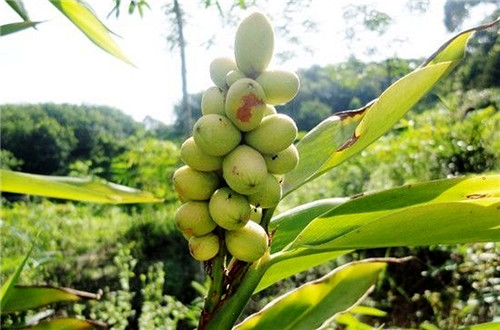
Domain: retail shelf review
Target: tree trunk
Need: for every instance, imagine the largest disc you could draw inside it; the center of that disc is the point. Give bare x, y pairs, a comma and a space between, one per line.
186, 109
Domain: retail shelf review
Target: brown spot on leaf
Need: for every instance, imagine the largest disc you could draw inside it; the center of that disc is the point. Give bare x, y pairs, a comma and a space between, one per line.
348, 143
476, 196
245, 112
357, 196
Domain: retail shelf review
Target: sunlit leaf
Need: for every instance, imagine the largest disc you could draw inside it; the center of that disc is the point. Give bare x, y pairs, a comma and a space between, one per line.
7, 287
23, 298
66, 324
85, 20
367, 310
483, 326
450, 211
18, 7
81, 189
16, 27
324, 147
308, 306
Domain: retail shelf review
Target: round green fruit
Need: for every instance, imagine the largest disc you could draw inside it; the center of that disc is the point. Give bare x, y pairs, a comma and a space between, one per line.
216, 135
193, 219
274, 134
245, 104
204, 248
270, 110
195, 185
254, 44
256, 214
248, 243
233, 76
244, 170
229, 209
212, 101
219, 69
269, 195
195, 158
283, 161
280, 86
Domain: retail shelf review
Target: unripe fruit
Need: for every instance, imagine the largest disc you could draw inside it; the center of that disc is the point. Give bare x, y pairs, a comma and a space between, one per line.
229, 209
219, 69
269, 195
283, 161
256, 214
212, 101
193, 218
254, 44
270, 110
216, 135
233, 76
245, 104
280, 86
274, 134
204, 247
195, 158
195, 185
248, 243
244, 170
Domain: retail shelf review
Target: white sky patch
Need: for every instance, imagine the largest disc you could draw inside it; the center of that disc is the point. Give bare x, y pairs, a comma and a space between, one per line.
57, 63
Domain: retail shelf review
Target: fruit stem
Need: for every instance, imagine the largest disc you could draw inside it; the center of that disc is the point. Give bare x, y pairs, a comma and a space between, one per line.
266, 217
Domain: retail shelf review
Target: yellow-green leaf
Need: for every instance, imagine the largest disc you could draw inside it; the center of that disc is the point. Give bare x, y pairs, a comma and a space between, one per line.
66, 324
23, 298
80, 189
450, 211
308, 306
483, 326
7, 287
85, 20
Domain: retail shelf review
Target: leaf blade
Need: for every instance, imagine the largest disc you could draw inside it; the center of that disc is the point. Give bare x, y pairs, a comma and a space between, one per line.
66, 324
18, 7
10, 28
6, 289
79, 189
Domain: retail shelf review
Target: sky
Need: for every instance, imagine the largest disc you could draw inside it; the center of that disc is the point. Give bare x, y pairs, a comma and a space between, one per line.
57, 63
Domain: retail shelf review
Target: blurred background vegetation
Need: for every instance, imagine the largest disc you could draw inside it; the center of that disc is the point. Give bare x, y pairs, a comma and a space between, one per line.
142, 264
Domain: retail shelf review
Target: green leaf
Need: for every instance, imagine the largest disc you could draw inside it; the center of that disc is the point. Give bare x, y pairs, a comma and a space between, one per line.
23, 298
18, 7
308, 306
85, 20
323, 148
289, 224
483, 326
366, 310
80, 189
286, 264
66, 324
450, 211
16, 27
348, 320
7, 287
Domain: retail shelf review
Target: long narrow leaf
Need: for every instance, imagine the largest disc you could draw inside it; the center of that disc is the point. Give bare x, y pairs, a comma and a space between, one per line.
85, 20
459, 210
308, 306
18, 7
66, 324
80, 189
16, 27
23, 298
7, 287
483, 326
376, 118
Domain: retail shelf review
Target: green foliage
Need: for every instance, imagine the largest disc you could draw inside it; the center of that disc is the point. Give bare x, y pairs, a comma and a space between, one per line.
8, 161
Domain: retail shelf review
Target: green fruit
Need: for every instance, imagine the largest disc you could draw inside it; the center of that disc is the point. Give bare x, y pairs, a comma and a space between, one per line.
216, 135
248, 243
279, 86
193, 219
244, 170
245, 104
283, 161
269, 195
212, 101
254, 44
270, 110
197, 159
256, 214
233, 76
219, 69
194, 185
204, 247
229, 209
274, 134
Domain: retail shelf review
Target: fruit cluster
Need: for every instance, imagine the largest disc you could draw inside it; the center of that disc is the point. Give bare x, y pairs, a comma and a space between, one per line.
239, 148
